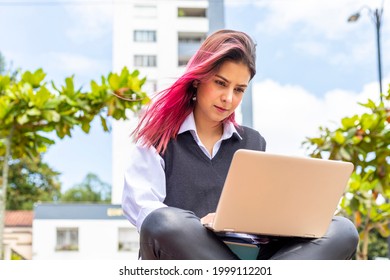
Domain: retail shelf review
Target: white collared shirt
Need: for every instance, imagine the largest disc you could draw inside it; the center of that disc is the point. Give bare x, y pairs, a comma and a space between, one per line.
144, 181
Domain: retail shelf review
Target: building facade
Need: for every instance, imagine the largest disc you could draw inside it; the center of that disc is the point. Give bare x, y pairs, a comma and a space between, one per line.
82, 231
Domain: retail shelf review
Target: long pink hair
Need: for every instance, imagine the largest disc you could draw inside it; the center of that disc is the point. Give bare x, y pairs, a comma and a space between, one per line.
164, 116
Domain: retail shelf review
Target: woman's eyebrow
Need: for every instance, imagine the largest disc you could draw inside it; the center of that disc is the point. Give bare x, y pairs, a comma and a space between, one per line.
226, 80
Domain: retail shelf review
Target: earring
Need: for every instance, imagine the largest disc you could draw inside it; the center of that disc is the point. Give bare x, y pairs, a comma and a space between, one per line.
194, 97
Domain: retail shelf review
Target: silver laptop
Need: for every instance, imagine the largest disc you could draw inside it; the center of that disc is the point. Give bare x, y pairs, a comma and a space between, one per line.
278, 195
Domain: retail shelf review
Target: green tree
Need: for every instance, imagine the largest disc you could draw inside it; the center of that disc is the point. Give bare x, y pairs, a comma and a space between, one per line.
30, 109
91, 189
31, 180
363, 140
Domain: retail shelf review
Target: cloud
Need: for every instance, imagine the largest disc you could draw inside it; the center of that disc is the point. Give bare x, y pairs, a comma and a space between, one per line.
311, 47
94, 21
74, 63
329, 18
323, 31
286, 114
59, 65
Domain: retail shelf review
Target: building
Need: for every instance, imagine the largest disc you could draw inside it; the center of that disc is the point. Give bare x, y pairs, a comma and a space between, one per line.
18, 235
157, 38
82, 231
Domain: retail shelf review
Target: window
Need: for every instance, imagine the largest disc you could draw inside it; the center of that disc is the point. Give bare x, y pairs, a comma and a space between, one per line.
145, 61
191, 12
128, 240
191, 37
183, 61
67, 239
145, 11
144, 36
189, 42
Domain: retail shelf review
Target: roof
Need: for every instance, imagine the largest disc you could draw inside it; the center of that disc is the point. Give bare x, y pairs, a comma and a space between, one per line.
78, 211
19, 218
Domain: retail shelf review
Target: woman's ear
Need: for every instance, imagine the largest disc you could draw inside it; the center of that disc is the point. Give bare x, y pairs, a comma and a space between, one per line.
195, 83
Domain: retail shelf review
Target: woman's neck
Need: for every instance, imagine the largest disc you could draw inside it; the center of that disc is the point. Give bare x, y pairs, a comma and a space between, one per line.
209, 132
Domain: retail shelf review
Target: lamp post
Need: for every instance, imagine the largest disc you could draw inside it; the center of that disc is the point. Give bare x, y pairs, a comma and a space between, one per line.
376, 16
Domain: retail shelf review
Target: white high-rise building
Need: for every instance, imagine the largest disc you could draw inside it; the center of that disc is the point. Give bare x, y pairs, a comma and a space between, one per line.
156, 37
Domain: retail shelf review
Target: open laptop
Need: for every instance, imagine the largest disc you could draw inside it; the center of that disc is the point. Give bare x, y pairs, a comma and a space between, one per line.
277, 195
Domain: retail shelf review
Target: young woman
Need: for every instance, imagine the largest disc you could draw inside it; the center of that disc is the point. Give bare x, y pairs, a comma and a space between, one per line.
185, 143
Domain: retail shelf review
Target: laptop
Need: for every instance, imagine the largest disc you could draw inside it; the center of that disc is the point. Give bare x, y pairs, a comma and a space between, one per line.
278, 195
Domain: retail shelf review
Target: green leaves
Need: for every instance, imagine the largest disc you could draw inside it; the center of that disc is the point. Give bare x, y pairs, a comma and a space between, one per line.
29, 108
34, 79
363, 140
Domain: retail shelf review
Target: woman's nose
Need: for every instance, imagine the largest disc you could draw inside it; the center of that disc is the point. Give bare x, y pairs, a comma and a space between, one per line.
227, 96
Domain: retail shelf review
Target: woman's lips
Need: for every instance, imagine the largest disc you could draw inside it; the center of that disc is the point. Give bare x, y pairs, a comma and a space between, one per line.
220, 109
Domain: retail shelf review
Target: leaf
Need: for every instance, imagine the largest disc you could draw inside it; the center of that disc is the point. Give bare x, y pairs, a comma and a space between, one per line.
339, 137
52, 104
104, 123
41, 97
4, 82
345, 154
135, 73
145, 100
85, 126
5, 105
368, 121
349, 122
34, 79
22, 119
356, 140
114, 81
38, 77
366, 186
33, 112
51, 116
68, 89
370, 104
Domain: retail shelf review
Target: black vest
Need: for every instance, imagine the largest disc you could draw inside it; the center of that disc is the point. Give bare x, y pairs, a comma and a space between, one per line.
193, 181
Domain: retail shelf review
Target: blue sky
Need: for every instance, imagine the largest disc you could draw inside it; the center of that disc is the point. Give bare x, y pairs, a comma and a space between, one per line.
313, 66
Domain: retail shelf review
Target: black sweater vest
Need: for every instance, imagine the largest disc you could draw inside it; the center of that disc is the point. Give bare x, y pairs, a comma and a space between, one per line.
193, 181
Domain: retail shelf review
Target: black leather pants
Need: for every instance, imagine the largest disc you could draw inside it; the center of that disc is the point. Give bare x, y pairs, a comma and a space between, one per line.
175, 234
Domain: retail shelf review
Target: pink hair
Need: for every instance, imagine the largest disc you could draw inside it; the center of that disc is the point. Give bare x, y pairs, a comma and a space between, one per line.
163, 118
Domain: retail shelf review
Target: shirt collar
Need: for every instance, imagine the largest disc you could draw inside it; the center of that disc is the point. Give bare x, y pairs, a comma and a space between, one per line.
189, 125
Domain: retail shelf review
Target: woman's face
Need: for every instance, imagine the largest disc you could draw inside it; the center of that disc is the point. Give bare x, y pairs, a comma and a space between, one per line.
218, 97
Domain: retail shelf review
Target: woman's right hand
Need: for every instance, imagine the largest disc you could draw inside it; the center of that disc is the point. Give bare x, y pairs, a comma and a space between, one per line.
208, 219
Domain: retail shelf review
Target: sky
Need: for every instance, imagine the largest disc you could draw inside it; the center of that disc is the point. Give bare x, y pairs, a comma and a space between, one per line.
313, 67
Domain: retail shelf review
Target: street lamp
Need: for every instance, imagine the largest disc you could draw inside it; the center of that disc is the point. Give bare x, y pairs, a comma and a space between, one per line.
376, 16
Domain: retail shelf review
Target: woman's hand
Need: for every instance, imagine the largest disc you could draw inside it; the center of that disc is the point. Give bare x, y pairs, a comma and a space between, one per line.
208, 219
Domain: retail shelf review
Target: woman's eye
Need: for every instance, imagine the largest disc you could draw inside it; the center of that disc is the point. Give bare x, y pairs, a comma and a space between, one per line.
240, 90
221, 83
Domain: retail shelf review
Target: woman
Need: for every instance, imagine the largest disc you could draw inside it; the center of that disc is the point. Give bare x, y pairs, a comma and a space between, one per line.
185, 143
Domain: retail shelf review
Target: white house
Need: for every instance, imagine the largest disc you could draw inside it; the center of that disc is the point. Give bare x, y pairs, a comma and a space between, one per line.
82, 231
